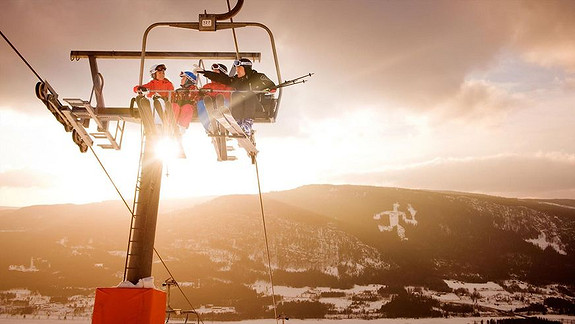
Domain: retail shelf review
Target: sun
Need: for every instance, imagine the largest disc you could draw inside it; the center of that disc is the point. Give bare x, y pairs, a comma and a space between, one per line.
168, 149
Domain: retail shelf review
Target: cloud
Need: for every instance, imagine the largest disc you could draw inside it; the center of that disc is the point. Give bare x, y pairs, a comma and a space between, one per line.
25, 178
481, 101
417, 56
545, 33
420, 56
547, 175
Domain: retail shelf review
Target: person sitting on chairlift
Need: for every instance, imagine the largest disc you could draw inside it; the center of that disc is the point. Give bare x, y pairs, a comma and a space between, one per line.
159, 85
212, 89
185, 99
244, 101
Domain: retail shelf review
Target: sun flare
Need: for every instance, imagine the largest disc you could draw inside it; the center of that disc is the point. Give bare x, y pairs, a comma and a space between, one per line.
168, 149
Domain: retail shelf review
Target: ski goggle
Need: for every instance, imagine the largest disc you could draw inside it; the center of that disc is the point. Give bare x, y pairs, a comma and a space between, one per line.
216, 66
239, 63
161, 67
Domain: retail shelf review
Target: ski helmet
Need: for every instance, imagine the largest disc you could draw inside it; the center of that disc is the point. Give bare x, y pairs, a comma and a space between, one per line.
245, 63
189, 75
219, 66
157, 67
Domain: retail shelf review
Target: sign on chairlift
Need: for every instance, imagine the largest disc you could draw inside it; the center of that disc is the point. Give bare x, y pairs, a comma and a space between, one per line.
207, 22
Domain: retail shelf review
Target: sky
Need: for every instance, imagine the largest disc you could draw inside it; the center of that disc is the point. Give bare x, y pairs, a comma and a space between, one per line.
473, 96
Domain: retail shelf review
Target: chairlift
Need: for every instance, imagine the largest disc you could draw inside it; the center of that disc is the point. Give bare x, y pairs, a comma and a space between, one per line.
77, 115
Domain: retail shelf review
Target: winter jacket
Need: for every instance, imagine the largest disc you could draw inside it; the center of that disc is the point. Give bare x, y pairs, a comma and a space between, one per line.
184, 96
156, 84
252, 81
214, 88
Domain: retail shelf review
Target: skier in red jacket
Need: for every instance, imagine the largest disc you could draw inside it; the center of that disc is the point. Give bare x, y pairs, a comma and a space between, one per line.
212, 89
185, 99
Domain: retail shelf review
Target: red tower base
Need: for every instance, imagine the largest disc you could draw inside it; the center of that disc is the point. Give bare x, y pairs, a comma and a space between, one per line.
129, 306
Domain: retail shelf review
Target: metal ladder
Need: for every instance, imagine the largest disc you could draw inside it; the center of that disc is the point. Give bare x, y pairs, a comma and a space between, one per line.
131, 240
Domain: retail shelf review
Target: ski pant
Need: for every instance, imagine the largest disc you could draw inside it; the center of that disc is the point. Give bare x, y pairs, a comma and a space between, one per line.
244, 105
203, 115
183, 114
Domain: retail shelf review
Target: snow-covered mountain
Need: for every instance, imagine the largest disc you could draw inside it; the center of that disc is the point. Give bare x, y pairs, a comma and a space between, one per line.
319, 235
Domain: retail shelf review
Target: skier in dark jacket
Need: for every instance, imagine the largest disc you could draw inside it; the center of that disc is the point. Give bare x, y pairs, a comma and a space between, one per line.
249, 84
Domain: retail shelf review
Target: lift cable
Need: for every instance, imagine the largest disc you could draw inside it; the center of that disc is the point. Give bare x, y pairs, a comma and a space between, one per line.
91, 149
178, 285
111, 180
105, 171
266, 240
22, 57
260, 192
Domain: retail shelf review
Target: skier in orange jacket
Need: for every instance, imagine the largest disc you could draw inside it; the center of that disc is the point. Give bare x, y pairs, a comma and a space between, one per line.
159, 84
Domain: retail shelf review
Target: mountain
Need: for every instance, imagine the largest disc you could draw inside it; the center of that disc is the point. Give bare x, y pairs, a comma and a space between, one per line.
318, 235
456, 235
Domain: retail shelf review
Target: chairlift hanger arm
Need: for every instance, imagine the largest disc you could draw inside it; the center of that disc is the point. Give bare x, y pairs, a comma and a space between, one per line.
228, 15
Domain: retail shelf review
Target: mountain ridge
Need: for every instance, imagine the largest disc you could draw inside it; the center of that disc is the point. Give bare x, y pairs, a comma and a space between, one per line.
338, 235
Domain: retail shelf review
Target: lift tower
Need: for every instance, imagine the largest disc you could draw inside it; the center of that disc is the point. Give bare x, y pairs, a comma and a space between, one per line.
114, 305
143, 230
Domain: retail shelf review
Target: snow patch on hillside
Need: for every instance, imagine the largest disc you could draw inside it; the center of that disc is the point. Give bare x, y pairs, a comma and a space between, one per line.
490, 285
394, 217
542, 242
524, 221
23, 268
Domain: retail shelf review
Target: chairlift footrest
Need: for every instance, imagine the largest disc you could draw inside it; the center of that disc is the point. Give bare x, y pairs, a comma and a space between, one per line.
75, 102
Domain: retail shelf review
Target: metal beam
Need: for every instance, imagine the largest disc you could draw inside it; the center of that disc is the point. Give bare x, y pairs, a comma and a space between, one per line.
77, 55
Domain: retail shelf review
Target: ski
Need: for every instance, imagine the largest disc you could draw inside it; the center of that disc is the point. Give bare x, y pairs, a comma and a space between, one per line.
229, 122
